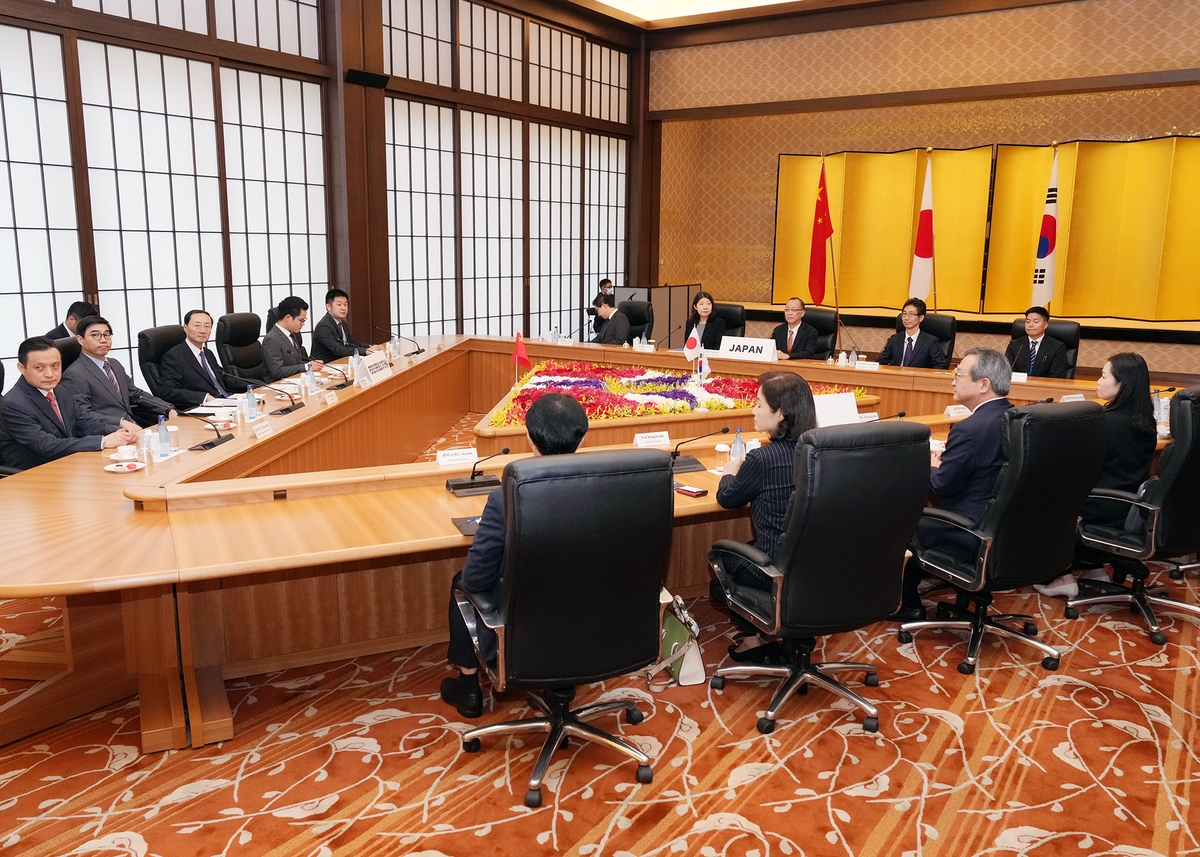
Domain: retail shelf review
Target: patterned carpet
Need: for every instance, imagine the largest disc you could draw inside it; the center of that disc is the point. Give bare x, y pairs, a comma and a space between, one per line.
360, 757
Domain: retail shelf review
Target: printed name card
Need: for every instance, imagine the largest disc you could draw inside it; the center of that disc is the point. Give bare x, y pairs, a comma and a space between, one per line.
462, 455
957, 411
651, 438
262, 428
1072, 397
372, 369
745, 348
867, 365
330, 398
1020, 377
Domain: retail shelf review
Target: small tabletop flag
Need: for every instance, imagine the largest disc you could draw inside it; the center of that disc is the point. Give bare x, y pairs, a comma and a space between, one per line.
520, 356
691, 348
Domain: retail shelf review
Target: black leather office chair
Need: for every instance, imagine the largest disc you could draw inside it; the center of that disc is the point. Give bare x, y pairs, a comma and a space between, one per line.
1169, 525
641, 318
153, 343
859, 494
734, 316
4, 470
1066, 332
942, 327
69, 348
272, 319
1027, 535
825, 321
576, 608
238, 347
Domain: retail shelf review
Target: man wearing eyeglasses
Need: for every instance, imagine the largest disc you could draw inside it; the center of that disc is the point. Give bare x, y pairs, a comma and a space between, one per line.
914, 347
795, 340
105, 395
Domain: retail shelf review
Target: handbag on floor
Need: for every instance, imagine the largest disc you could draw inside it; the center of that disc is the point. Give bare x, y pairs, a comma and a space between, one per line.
679, 654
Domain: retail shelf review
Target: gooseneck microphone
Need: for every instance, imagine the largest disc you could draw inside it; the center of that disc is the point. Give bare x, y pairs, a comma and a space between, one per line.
212, 441
392, 329
667, 341
898, 416
345, 378
1044, 401
294, 406
689, 463
1164, 390
476, 483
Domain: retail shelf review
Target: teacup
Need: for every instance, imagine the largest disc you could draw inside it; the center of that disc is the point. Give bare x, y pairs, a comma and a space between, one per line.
127, 453
223, 415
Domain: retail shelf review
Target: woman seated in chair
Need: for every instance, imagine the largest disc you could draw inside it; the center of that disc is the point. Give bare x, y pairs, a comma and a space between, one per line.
1129, 441
710, 328
765, 479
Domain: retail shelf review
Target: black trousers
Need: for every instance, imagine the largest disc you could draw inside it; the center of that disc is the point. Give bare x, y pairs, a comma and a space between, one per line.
460, 651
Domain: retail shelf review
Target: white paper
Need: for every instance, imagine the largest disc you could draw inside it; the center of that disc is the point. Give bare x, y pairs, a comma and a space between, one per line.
836, 409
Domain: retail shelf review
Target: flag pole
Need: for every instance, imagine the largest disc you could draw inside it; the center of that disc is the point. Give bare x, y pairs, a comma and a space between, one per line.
837, 304
933, 260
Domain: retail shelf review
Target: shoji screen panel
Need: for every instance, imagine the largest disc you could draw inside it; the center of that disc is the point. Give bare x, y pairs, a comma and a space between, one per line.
605, 195
607, 84
490, 51
555, 169
190, 15
418, 40
288, 26
555, 68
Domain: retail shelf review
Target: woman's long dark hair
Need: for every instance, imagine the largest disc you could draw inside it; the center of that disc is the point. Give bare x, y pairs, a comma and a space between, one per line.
694, 318
1129, 370
789, 394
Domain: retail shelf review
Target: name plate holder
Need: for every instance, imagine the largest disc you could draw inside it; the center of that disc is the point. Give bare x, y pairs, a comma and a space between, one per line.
650, 439
372, 368
462, 455
867, 365
262, 428
745, 348
957, 411
1020, 377
1072, 397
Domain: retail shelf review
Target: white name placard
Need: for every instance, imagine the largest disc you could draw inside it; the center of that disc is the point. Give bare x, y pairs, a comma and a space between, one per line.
648, 348
1020, 377
262, 428
463, 455
836, 409
1072, 397
957, 411
331, 398
651, 438
372, 369
867, 365
745, 348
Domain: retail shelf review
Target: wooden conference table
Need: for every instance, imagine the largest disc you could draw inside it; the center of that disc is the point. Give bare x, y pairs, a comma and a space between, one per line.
317, 542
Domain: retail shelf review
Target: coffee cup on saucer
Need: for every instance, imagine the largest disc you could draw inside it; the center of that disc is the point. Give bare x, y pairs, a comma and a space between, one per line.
127, 453
223, 415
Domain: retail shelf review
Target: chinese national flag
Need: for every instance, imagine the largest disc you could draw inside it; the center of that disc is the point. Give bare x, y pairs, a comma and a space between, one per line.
520, 356
822, 230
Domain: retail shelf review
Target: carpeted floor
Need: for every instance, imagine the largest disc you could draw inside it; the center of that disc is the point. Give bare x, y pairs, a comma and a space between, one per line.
360, 757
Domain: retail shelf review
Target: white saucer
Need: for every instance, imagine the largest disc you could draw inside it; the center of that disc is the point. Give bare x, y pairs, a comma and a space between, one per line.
127, 460
222, 426
125, 467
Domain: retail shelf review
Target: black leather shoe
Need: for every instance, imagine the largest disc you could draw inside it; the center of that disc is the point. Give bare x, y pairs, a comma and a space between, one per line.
906, 614
767, 653
467, 699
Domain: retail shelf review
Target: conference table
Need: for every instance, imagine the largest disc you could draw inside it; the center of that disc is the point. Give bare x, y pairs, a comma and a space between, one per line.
317, 541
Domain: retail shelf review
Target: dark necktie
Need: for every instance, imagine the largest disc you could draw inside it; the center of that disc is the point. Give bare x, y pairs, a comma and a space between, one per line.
904, 361
54, 404
342, 333
209, 372
1033, 346
112, 379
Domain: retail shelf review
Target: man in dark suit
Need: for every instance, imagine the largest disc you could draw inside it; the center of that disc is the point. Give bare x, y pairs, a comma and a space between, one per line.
331, 337
606, 288
914, 347
282, 348
794, 340
1036, 353
75, 312
555, 425
614, 329
188, 374
102, 390
38, 425
963, 475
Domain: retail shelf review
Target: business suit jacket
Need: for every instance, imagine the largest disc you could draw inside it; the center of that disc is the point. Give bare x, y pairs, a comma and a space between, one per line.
714, 332
927, 351
967, 477
614, 331
283, 354
59, 332
804, 345
1127, 454
1051, 360
327, 341
184, 383
101, 407
31, 434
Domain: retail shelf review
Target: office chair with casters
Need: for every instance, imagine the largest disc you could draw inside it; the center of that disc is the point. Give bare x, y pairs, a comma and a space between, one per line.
238, 347
839, 565
574, 608
825, 321
1066, 332
944, 328
1054, 454
641, 318
1168, 526
153, 343
734, 316
70, 350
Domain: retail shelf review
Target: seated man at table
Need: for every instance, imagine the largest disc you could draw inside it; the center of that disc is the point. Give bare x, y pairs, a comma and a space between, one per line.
964, 474
38, 425
606, 288
282, 348
614, 328
555, 425
331, 337
100, 386
913, 347
794, 340
75, 313
1036, 353
188, 374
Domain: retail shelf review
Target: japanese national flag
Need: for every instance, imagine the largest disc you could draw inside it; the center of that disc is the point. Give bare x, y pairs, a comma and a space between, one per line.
921, 280
691, 348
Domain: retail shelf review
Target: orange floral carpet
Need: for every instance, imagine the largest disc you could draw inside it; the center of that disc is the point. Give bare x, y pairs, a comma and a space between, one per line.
360, 757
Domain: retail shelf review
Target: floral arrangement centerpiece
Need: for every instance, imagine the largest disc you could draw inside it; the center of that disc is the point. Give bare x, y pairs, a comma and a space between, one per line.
616, 392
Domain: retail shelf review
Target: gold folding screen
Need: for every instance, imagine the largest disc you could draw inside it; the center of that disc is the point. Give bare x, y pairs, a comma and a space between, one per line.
1128, 243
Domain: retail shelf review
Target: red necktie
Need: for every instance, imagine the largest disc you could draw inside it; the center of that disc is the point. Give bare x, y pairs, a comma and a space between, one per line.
54, 404
791, 340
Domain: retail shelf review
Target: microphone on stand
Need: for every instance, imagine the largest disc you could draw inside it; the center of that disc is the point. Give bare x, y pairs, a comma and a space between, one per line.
212, 441
689, 463
392, 329
294, 406
1044, 401
476, 483
1164, 390
667, 341
346, 382
898, 416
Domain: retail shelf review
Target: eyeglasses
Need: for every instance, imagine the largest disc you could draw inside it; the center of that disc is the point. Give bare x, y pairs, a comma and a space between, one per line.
910, 314
962, 374
100, 337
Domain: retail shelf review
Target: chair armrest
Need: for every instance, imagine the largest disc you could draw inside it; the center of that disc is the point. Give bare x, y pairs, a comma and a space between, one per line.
483, 604
477, 607
952, 574
1121, 496
761, 561
953, 519
747, 552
